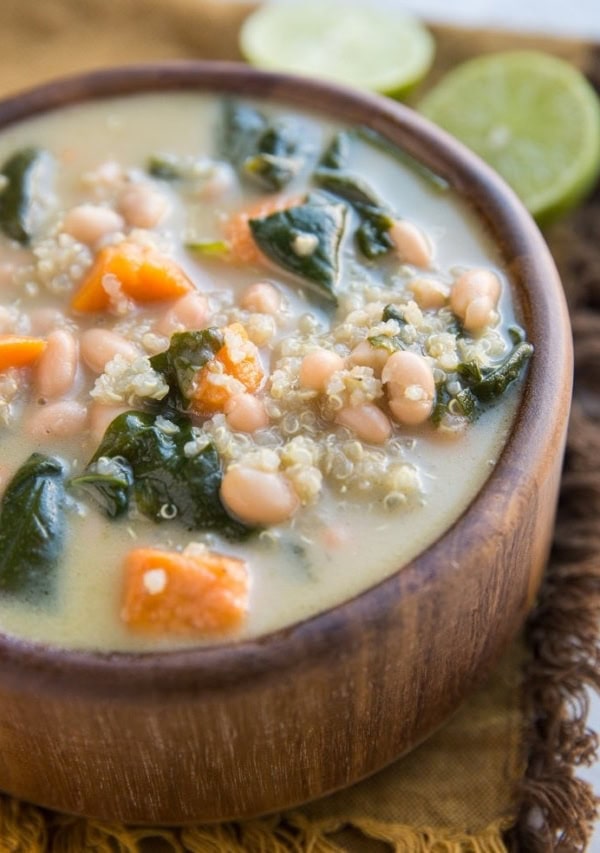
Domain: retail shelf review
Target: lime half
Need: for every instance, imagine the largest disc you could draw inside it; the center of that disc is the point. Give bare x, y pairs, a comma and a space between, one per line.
368, 45
533, 117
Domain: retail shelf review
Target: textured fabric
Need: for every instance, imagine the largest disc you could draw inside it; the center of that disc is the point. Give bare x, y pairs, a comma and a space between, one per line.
454, 794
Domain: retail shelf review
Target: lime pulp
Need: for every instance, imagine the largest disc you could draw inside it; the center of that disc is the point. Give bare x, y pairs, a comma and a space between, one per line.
367, 45
534, 118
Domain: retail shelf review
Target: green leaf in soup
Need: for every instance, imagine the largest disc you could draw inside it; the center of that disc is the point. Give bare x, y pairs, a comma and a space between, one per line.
16, 195
464, 404
392, 312
304, 240
267, 153
337, 152
470, 371
32, 528
372, 235
163, 168
391, 343
442, 401
241, 126
517, 334
351, 188
496, 381
168, 484
188, 352
277, 159
109, 481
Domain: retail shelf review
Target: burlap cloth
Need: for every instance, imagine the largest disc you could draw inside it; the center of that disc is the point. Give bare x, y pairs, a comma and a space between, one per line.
501, 774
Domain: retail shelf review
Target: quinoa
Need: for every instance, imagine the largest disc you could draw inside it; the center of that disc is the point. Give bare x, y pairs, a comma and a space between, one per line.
128, 382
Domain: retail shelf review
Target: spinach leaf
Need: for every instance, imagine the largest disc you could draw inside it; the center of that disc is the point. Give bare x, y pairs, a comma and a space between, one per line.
110, 482
464, 403
162, 168
470, 371
395, 342
392, 312
16, 196
268, 153
481, 386
345, 185
32, 527
167, 484
372, 235
179, 365
279, 236
517, 334
276, 160
241, 127
496, 381
391, 344
443, 399
336, 154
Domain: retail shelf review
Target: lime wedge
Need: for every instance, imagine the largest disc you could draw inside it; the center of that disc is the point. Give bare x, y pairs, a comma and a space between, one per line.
367, 45
533, 117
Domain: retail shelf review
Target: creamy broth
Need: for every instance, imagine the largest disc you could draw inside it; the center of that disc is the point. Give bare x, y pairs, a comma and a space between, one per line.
351, 530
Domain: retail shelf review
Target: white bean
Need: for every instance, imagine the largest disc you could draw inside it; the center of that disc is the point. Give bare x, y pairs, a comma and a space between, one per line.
221, 181
99, 346
365, 355
189, 312
479, 286
258, 497
143, 206
318, 367
100, 419
367, 421
88, 223
429, 293
410, 387
261, 297
57, 420
246, 413
57, 366
479, 314
411, 244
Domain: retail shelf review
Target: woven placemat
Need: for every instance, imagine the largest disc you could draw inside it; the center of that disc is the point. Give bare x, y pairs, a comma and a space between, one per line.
551, 810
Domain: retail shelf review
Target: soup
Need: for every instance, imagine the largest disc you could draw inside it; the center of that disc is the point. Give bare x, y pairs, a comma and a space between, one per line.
251, 363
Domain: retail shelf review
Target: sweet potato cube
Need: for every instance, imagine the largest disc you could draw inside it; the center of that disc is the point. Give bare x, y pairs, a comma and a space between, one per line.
201, 592
235, 369
144, 273
19, 351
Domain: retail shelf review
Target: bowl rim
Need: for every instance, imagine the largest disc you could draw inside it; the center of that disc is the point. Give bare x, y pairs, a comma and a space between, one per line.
132, 675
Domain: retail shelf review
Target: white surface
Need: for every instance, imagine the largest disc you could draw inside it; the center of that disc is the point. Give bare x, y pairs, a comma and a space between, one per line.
577, 18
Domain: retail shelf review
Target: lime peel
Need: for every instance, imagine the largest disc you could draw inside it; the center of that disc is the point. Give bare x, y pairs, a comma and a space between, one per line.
532, 117
367, 45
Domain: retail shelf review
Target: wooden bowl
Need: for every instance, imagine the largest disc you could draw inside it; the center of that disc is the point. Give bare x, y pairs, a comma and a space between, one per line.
246, 728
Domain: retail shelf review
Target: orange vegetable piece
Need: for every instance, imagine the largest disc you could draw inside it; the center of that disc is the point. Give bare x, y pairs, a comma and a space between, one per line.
236, 368
193, 593
243, 249
17, 351
145, 275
